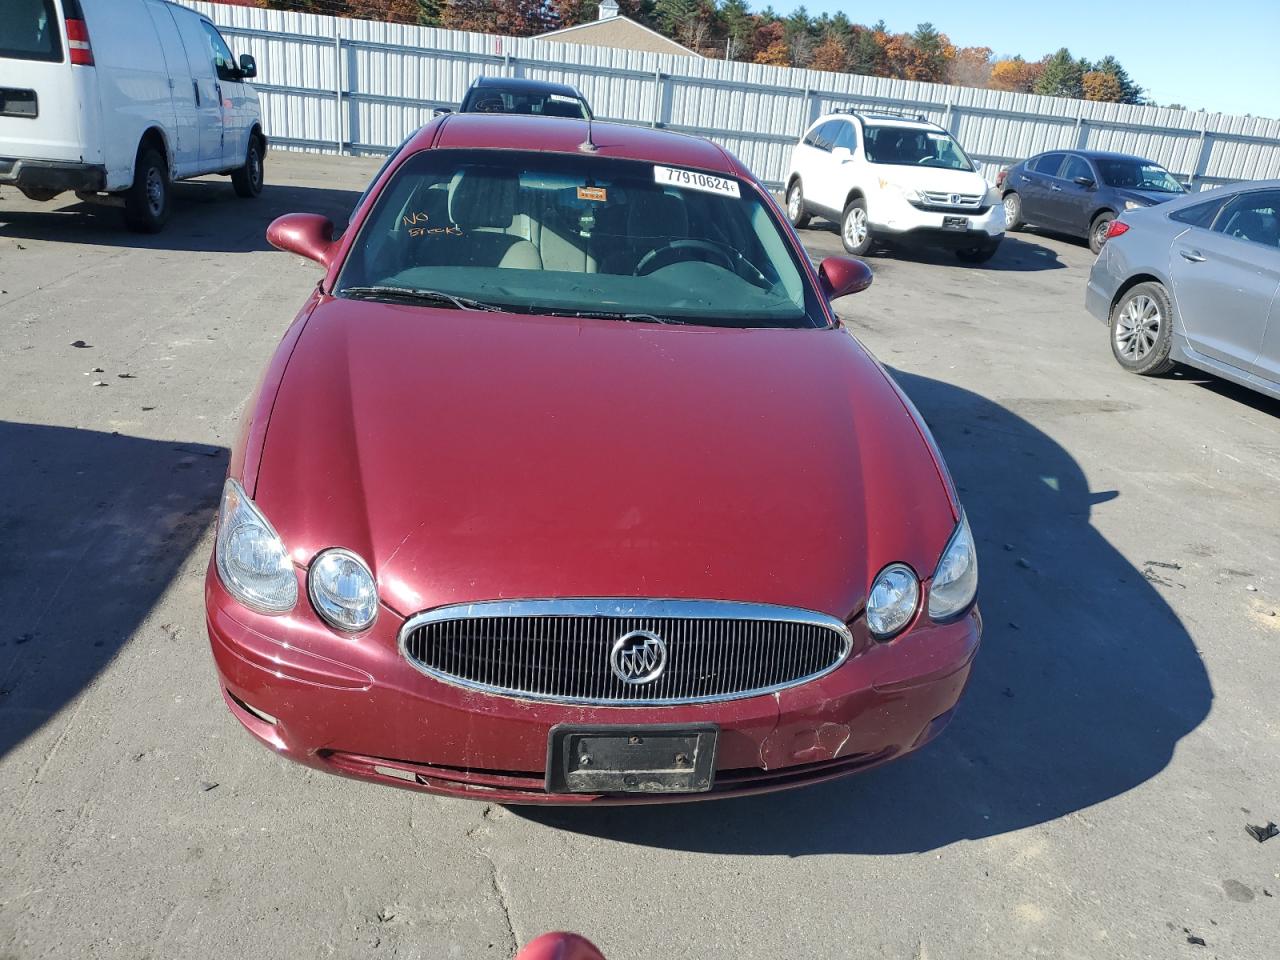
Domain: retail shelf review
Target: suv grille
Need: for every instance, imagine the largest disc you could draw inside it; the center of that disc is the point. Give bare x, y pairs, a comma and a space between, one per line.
679, 651
968, 202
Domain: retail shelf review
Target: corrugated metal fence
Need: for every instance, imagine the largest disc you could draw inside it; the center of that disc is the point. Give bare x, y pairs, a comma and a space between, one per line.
356, 86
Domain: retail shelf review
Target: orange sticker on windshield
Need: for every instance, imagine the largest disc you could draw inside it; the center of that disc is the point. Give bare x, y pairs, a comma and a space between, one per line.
598, 194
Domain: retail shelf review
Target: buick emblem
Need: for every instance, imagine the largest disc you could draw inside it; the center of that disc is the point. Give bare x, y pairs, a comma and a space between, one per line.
638, 657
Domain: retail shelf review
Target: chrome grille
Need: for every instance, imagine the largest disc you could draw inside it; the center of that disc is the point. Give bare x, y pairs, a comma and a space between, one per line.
561, 650
952, 201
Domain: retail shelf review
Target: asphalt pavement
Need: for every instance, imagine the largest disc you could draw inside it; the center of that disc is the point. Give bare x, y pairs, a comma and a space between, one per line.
1090, 800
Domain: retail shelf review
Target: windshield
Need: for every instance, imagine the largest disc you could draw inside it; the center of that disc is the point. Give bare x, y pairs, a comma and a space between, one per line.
1137, 175
579, 235
535, 102
914, 147
29, 31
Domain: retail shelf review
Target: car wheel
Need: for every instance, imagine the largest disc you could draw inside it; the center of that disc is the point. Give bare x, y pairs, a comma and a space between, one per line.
247, 180
855, 228
1098, 231
1012, 211
146, 203
979, 254
795, 207
1142, 330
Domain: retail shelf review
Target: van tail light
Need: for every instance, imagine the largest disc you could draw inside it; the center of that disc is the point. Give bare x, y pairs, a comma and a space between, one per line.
1116, 228
78, 41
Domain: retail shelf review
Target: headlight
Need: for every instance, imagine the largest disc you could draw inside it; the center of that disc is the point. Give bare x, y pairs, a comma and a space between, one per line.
1133, 205
342, 590
955, 583
909, 194
251, 560
892, 603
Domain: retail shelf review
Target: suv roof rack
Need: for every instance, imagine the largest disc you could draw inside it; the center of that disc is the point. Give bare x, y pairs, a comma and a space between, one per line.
886, 115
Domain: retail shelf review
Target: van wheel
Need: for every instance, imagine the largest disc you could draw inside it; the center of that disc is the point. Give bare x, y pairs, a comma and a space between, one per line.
795, 206
146, 203
855, 228
247, 180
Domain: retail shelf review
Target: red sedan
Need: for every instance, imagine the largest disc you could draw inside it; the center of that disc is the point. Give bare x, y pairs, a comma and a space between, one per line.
566, 486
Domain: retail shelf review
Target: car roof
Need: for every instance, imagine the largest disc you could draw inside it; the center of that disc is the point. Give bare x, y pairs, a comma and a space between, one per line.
504, 131
527, 86
1098, 154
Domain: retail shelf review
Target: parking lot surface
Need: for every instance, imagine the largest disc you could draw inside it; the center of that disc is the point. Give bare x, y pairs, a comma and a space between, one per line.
1090, 799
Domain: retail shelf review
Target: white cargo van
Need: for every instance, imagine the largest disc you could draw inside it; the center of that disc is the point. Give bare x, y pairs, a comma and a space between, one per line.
115, 99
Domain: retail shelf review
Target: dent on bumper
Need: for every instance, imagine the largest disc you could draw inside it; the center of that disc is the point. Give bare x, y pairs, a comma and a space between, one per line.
369, 715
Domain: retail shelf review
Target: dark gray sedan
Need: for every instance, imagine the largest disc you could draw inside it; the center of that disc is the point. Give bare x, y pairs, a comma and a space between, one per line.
1196, 281
1081, 191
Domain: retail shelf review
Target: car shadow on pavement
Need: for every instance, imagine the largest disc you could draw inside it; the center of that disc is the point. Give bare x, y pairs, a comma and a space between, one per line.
1014, 256
207, 216
1084, 686
93, 529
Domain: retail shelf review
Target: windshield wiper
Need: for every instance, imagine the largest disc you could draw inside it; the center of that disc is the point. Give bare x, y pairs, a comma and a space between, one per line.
418, 294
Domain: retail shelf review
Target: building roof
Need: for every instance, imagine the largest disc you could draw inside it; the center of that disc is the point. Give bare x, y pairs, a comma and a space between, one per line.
619, 32
504, 131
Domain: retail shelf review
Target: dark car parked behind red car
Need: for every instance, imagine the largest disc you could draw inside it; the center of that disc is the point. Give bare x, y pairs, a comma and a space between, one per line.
1080, 192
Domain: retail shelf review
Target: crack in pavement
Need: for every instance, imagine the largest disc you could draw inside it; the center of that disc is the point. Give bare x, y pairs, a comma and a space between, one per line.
500, 894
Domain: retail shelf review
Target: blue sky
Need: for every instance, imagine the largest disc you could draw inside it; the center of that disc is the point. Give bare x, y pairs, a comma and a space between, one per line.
1222, 55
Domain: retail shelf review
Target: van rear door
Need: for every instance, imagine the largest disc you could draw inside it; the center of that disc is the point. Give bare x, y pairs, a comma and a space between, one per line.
48, 88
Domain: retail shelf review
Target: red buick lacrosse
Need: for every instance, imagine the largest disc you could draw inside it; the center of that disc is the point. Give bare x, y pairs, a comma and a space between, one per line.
566, 486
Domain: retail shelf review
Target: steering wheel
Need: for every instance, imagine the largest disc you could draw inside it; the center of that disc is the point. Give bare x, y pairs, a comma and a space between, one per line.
675, 251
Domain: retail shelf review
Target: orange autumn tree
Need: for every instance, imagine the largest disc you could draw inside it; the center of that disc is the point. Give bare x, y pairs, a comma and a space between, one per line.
1015, 74
1101, 85
830, 55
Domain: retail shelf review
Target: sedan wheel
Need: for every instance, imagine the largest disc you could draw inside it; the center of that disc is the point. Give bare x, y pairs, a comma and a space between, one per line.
1140, 330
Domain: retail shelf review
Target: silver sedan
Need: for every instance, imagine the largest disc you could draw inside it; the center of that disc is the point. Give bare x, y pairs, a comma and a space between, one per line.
1196, 281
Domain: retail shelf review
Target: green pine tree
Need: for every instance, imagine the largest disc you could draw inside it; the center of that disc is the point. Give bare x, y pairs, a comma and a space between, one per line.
1062, 77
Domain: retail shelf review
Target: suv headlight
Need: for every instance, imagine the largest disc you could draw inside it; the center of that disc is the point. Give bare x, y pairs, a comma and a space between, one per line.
955, 582
250, 557
893, 599
909, 194
343, 590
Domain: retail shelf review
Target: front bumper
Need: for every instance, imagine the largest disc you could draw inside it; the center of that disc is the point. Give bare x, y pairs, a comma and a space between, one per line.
892, 217
55, 175
355, 707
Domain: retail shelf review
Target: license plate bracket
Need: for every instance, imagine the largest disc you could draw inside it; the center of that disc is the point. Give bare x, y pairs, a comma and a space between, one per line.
955, 223
617, 758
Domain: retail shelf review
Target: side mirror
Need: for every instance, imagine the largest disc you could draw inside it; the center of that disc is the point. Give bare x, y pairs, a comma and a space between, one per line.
841, 154
841, 276
306, 234
248, 67
1087, 182
441, 111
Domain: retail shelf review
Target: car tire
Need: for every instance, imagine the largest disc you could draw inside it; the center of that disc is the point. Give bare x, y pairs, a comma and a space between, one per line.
795, 206
147, 202
1098, 230
247, 180
1142, 330
979, 254
855, 228
1013, 211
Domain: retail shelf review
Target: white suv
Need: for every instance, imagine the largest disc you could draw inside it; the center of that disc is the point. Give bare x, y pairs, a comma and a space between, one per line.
890, 177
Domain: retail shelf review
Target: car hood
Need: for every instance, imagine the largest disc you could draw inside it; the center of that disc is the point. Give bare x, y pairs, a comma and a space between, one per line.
1147, 196
472, 456
933, 179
